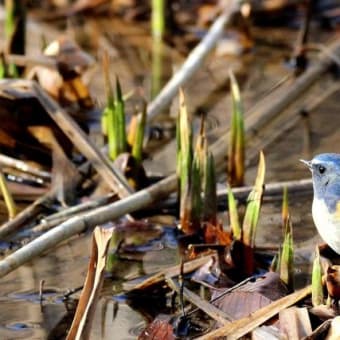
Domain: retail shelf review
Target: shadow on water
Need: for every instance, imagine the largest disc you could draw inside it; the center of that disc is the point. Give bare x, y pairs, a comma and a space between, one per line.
22, 316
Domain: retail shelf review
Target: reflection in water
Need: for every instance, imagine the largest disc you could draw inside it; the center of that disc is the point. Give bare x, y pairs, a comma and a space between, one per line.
116, 321
62, 269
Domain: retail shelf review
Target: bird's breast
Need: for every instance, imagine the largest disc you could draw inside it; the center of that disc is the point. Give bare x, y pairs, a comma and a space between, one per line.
327, 224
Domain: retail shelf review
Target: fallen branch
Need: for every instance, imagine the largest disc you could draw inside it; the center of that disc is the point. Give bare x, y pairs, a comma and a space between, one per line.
76, 225
270, 188
193, 61
25, 60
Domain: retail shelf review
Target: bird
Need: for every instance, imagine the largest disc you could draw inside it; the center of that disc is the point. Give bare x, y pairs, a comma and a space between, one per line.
325, 170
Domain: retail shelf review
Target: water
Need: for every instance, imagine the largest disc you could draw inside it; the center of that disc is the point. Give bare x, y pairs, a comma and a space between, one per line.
64, 268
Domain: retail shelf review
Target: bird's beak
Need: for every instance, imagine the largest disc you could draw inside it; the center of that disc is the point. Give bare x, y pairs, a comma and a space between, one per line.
308, 163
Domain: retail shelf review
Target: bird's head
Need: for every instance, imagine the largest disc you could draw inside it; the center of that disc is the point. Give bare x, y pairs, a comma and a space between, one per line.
325, 170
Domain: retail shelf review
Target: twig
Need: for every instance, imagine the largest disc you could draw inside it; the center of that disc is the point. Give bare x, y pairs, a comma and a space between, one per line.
240, 327
108, 171
240, 193
93, 203
24, 60
59, 217
32, 210
188, 267
78, 224
267, 109
225, 292
41, 291
26, 215
193, 62
209, 309
24, 167
44, 226
292, 120
71, 129
7, 195
270, 188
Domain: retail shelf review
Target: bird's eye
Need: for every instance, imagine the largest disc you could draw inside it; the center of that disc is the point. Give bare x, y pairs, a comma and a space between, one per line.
321, 169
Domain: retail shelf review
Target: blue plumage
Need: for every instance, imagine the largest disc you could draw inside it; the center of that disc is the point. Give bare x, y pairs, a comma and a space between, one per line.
326, 202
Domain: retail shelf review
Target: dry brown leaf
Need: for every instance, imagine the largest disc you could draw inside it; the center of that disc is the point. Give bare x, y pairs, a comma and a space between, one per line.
295, 322
159, 329
334, 332
81, 324
333, 282
252, 296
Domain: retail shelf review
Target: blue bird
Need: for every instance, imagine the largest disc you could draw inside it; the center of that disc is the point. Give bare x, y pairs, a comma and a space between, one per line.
325, 170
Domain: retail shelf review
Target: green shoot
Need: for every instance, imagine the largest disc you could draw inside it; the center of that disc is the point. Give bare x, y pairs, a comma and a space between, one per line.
317, 288
137, 147
287, 257
15, 31
252, 215
120, 119
236, 150
285, 212
209, 190
8, 198
254, 205
158, 18
184, 137
233, 216
191, 203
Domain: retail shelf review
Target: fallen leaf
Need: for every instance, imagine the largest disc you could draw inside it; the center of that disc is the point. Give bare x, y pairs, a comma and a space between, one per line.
252, 296
81, 325
159, 329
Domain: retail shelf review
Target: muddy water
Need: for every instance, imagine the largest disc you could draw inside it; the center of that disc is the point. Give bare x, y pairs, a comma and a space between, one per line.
22, 315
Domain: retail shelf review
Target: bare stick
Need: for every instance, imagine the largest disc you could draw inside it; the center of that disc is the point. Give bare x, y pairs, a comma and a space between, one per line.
77, 136
192, 63
24, 167
238, 328
7, 195
158, 277
26, 215
269, 108
215, 313
271, 188
32, 210
76, 225
61, 216
24, 60
87, 205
